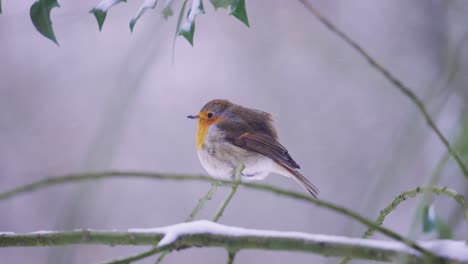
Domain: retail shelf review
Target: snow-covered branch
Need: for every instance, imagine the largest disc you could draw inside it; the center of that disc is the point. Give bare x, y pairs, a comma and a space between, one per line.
208, 234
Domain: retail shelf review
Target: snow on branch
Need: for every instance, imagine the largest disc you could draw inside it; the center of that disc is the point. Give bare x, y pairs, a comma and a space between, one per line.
209, 234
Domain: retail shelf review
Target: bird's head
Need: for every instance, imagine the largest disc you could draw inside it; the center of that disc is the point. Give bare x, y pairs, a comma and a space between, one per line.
213, 112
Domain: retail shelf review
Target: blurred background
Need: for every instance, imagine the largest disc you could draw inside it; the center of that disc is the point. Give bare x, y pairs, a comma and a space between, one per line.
116, 100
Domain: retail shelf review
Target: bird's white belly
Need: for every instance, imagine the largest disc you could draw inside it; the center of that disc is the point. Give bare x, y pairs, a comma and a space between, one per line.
219, 160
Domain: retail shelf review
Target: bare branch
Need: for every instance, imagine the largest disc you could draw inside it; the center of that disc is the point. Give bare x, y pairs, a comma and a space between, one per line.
209, 234
295, 195
412, 193
394, 80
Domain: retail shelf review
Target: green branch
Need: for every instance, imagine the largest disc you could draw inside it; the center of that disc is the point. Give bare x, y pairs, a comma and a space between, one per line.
412, 193
257, 186
394, 80
236, 181
155, 250
214, 186
203, 200
233, 239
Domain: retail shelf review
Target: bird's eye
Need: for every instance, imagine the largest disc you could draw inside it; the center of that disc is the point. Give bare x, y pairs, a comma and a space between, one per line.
209, 115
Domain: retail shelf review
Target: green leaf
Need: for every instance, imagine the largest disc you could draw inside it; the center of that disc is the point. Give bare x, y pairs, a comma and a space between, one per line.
238, 11
40, 16
187, 30
148, 4
100, 11
0, 7
179, 22
429, 219
221, 3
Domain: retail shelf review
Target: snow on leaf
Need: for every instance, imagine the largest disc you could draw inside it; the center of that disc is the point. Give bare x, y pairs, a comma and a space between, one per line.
40, 17
148, 4
100, 11
187, 30
238, 11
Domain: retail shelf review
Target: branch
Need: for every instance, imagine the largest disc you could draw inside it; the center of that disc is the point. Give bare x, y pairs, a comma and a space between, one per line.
236, 181
209, 234
214, 186
295, 195
202, 201
394, 80
412, 193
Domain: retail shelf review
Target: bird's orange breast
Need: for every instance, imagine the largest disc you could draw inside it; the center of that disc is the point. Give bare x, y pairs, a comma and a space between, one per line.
202, 130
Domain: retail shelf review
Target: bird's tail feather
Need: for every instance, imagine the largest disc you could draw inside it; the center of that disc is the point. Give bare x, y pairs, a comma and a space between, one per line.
303, 181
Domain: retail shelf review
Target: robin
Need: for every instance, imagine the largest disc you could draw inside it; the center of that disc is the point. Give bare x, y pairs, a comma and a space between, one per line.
229, 135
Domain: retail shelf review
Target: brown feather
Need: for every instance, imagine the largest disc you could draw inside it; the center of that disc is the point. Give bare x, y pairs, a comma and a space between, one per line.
264, 145
253, 130
303, 181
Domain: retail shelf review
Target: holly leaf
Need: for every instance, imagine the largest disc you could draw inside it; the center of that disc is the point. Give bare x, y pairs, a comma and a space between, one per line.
238, 11
100, 11
40, 17
221, 3
148, 4
187, 30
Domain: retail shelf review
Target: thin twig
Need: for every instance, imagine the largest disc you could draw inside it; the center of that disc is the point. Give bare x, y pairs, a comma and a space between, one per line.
412, 193
201, 203
426, 197
237, 180
395, 81
299, 196
137, 257
231, 256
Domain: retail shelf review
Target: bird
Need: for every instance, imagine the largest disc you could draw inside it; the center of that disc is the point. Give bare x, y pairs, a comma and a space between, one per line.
230, 135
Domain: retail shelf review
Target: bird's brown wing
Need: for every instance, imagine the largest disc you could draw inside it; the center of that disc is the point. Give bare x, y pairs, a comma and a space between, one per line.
270, 147
262, 144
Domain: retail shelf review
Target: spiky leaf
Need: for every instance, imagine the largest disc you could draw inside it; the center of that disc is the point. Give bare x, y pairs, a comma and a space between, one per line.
187, 30
238, 11
100, 10
148, 4
40, 17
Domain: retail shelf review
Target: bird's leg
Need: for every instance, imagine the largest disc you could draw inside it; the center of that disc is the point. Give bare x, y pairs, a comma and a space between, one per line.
237, 172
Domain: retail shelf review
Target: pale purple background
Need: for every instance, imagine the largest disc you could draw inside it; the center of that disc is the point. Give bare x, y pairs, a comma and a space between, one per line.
114, 100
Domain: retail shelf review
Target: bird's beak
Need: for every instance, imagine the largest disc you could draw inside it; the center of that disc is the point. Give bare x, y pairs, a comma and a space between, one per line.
193, 116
